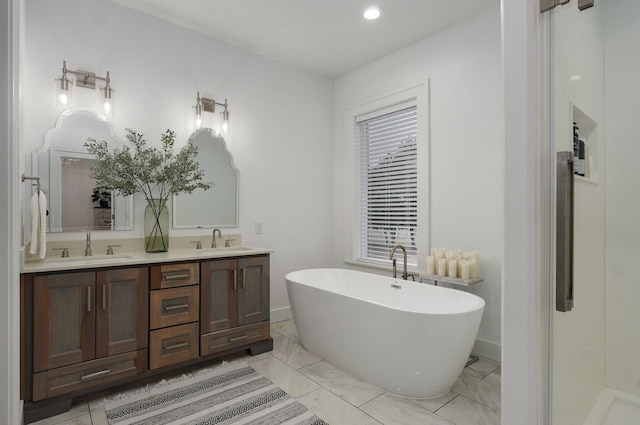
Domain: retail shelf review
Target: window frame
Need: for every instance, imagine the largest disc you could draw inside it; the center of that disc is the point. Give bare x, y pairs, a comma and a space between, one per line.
419, 94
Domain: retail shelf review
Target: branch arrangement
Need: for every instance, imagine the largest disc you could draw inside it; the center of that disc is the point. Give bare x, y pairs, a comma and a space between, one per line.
156, 173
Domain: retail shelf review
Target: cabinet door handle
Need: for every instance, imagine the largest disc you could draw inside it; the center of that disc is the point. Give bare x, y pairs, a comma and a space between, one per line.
104, 297
243, 278
174, 346
88, 298
176, 275
175, 307
238, 338
235, 280
95, 374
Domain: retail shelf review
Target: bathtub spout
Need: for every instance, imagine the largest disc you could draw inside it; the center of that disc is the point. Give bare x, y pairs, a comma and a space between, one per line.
404, 258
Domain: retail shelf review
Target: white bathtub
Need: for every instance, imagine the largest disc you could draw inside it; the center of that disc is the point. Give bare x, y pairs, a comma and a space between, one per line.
407, 338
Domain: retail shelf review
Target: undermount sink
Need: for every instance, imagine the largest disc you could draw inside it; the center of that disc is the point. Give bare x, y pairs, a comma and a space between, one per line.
225, 250
94, 259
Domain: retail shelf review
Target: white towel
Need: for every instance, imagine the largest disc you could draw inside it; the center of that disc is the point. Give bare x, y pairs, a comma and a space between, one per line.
38, 224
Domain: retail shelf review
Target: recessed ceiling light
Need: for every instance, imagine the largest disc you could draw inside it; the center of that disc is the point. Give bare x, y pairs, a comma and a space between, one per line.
372, 13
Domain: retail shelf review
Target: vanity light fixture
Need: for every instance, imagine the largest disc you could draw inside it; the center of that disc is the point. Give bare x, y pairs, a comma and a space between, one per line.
209, 105
87, 80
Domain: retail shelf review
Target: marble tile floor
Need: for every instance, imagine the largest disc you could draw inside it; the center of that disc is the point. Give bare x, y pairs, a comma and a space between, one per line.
343, 399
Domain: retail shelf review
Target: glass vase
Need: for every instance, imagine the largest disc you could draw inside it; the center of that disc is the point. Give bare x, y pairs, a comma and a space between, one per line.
156, 226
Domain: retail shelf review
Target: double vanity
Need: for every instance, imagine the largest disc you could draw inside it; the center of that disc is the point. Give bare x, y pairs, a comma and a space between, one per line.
95, 325
92, 325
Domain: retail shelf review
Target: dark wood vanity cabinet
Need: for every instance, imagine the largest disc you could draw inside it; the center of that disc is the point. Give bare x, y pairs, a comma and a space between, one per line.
234, 303
85, 331
82, 317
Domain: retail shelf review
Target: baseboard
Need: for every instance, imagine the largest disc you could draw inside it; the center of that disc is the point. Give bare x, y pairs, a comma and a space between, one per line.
488, 350
280, 314
606, 404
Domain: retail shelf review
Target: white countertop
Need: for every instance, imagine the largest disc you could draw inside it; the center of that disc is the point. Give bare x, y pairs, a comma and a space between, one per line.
31, 265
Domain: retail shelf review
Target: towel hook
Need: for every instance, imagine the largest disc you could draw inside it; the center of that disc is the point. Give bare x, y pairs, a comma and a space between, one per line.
32, 178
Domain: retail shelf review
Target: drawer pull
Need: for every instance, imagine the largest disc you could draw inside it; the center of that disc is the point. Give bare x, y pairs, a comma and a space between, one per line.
174, 346
104, 297
243, 278
96, 374
175, 307
176, 275
238, 338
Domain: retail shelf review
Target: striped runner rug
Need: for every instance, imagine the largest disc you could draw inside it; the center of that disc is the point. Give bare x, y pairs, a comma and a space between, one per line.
232, 393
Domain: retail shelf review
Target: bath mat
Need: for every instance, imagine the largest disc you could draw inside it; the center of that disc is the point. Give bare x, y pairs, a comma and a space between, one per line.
231, 393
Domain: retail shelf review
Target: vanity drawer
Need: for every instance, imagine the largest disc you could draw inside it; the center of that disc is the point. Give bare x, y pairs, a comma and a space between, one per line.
173, 345
174, 306
173, 275
88, 374
216, 342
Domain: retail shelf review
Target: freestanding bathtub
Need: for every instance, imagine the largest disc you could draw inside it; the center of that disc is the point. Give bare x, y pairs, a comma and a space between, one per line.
407, 338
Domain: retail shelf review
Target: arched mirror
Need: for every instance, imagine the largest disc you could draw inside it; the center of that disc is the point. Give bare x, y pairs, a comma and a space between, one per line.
218, 206
75, 203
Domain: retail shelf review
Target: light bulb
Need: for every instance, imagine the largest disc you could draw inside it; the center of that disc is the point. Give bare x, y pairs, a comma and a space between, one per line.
64, 93
107, 108
63, 99
372, 13
64, 85
107, 100
225, 126
198, 121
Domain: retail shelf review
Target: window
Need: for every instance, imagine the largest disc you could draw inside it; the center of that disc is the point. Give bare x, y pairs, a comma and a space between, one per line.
387, 182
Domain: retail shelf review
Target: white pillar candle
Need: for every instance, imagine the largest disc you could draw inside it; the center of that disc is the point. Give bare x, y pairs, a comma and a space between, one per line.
442, 267
474, 255
431, 264
434, 251
473, 268
449, 254
464, 270
452, 270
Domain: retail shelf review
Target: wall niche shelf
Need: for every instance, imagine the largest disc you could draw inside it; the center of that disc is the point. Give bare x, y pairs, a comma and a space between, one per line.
588, 132
453, 280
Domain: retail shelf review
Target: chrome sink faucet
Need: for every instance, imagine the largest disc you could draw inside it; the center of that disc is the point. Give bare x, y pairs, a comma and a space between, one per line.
213, 242
404, 258
87, 251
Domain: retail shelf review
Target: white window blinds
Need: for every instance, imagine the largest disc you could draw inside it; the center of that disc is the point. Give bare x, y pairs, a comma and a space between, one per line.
387, 183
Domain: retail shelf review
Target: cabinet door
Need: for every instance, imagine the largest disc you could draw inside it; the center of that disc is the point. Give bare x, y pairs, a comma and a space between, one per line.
122, 310
253, 290
64, 319
218, 289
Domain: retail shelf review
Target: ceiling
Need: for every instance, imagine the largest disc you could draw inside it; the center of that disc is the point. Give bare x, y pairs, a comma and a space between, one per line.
326, 37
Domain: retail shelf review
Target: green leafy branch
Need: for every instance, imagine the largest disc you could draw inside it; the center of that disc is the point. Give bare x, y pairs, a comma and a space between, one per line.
156, 173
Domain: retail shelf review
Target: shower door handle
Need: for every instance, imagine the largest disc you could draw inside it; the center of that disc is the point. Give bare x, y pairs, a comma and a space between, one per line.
564, 231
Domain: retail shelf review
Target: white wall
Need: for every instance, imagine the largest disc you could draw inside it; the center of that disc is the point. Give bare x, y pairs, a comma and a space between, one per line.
622, 62
281, 121
9, 236
524, 279
462, 65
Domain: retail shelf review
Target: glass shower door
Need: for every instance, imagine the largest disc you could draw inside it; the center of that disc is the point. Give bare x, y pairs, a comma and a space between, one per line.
595, 118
